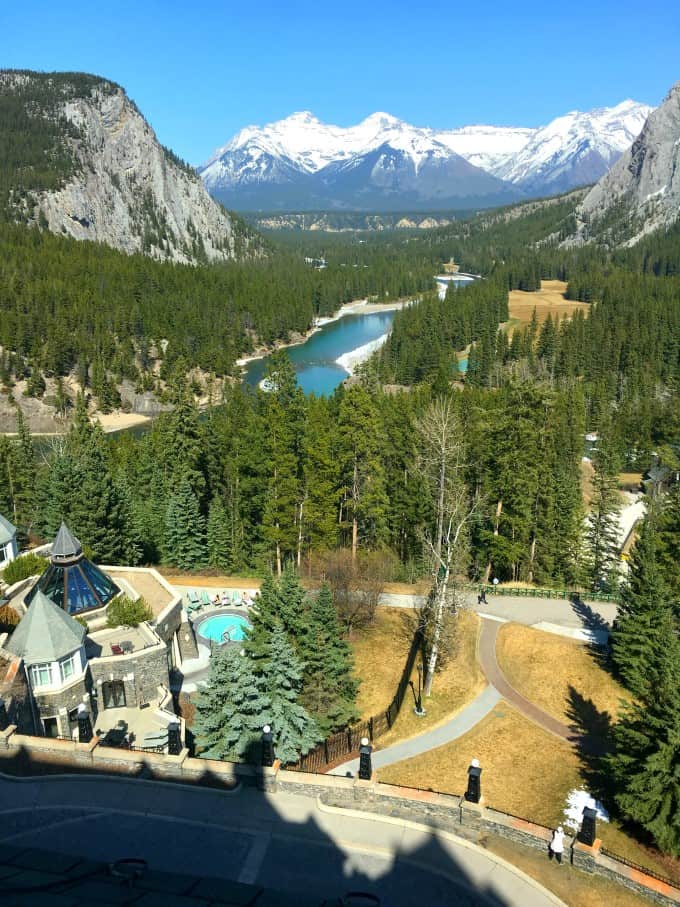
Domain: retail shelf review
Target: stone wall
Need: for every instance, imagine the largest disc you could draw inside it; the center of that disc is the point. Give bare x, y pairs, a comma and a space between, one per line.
59, 703
141, 672
450, 813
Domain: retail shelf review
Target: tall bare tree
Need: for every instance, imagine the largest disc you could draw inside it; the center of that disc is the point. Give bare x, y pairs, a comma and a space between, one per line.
441, 465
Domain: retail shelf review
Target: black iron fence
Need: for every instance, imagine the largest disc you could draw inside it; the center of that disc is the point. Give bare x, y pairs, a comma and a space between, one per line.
542, 592
644, 869
346, 742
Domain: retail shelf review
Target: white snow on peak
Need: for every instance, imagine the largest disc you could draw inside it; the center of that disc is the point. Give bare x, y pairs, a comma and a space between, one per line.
607, 131
303, 143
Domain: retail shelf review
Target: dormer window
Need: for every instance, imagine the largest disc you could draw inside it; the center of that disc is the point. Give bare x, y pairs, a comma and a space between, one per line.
41, 675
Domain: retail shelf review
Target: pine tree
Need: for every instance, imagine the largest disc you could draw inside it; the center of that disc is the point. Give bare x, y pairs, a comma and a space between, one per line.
295, 733
329, 687
219, 536
645, 765
285, 422
280, 603
264, 615
642, 619
231, 709
86, 496
320, 499
184, 543
602, 533
24, 471
668, 544
362, 474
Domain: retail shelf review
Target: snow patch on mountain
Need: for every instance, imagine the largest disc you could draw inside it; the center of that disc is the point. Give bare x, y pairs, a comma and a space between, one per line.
571, 150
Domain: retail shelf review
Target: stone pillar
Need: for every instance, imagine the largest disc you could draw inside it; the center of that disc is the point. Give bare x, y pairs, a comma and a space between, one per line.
584, 856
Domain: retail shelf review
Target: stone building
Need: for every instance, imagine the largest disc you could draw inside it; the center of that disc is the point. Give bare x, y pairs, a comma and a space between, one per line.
51, 646
9, 548
121, 674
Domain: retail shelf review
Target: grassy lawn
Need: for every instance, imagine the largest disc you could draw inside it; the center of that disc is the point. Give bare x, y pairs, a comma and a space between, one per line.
525, 771
454, 686
548, 301
380, 654
576, 888
562, 676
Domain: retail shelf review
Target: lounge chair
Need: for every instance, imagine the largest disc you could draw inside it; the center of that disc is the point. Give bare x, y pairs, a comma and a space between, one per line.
193, 598
236, 598
205, 598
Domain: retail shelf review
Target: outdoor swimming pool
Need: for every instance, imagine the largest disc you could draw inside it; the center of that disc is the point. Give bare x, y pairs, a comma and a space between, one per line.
222, 628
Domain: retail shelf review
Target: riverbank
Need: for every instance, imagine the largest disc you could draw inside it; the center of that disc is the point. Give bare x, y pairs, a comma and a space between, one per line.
357, 307
349, 361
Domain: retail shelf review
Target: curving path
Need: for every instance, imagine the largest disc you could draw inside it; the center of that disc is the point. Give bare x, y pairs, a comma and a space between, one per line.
489, 664
460, 724
498, 688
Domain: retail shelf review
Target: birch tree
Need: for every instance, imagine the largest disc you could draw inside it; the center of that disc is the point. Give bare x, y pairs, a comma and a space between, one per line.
441, 465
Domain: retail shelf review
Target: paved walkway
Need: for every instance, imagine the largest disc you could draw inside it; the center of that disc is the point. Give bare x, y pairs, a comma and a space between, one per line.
586, 621
493, 673
460, 724
280, 841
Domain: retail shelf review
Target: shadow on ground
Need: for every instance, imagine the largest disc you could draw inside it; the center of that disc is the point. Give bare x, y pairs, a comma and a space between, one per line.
61, 834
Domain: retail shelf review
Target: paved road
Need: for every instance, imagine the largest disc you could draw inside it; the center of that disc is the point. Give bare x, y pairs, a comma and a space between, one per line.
460, 724
580, 621
281, 841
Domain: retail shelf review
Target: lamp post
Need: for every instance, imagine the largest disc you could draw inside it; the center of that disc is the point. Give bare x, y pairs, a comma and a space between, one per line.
474, 786
84, 724
267, 746
174, 739
588, 830
365, 768
419, 710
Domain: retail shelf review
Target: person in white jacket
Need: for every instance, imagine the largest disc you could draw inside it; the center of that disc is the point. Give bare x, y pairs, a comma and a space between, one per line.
557, 844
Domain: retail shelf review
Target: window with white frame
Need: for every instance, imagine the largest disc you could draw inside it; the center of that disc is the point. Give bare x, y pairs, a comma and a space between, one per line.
41, 675
68, 667
5, 551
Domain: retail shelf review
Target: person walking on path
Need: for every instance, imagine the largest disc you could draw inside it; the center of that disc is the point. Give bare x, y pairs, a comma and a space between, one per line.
481, 598
557, 844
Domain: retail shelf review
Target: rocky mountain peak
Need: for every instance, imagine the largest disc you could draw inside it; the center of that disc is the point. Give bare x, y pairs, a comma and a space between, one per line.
641, 193
113, 182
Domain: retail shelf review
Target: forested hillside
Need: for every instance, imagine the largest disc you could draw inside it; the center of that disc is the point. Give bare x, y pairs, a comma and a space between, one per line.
66, 305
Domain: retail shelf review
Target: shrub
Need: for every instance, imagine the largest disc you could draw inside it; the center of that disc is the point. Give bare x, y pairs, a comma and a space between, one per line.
122, 611
22, 567
8, 619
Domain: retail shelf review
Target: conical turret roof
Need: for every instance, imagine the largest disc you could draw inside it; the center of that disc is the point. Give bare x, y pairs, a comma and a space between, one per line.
7, 530
71, 581
65, 545
45, 633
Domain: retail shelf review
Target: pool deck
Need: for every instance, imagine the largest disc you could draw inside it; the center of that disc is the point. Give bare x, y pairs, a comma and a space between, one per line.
194, 671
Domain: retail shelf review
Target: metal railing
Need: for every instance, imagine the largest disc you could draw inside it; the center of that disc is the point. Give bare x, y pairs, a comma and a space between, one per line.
542, 592
347, 741
643, 869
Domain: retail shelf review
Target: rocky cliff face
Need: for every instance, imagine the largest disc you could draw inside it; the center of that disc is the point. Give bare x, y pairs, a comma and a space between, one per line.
124, 188
641, 193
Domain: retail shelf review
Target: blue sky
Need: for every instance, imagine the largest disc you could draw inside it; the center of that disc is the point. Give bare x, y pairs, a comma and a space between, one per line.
200, 71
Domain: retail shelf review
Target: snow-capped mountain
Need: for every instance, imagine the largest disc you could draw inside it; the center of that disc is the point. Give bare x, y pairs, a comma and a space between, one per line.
575, 149
300, 162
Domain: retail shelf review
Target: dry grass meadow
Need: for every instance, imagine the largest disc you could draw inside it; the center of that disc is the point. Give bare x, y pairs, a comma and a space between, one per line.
548, 301
562, 676
379, 656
